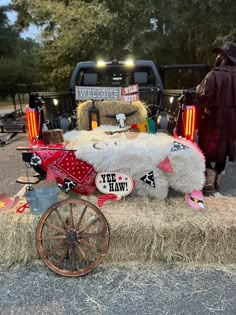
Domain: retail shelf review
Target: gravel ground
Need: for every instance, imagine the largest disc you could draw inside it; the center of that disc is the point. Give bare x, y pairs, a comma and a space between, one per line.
119, 289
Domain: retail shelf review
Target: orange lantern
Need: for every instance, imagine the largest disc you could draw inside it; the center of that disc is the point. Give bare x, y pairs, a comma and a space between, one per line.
94, 117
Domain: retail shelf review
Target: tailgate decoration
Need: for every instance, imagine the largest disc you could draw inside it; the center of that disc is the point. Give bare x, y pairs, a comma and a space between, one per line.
195, 200
148, 125
140, 157
97, 93
72, 173
165, 165
116, 183
130, 93
7, 203
149, 179
108, 111
103, 198
178, 146
35, 160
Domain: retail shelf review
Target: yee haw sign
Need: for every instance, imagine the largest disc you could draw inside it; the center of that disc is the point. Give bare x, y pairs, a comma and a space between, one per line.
117, 183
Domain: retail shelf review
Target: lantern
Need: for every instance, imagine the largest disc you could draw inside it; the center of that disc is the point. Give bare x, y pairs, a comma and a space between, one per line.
94, 118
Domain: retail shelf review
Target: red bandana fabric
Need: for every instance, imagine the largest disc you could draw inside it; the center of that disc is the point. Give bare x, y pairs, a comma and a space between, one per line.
65, 165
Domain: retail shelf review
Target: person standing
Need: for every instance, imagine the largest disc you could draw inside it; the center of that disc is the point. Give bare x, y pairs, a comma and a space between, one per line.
217, 116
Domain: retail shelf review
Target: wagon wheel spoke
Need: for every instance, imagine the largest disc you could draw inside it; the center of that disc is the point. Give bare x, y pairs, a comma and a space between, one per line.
55, 227
71, 216
61, 219
53, 237
88, 225
73, 258
55, 248
82, 252
89, 245
72, 237
81, 217
63, 255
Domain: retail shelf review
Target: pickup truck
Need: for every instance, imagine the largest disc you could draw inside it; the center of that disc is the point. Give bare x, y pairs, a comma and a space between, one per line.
168, 92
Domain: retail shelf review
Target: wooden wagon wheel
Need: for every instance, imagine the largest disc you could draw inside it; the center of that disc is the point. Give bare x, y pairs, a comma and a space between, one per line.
72, 237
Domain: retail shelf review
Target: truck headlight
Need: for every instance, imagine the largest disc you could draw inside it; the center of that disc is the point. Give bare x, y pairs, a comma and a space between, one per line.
129, 63
101, 63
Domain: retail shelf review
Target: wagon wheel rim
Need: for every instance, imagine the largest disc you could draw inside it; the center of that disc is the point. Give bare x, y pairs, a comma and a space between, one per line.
72, 237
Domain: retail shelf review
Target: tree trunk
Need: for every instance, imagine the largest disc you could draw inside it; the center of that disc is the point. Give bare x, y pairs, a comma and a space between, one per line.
13, 100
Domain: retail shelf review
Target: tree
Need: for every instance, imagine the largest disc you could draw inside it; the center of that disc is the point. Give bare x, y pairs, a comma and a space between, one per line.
71, 31
166, 31
16, 58
192, 27
8, 35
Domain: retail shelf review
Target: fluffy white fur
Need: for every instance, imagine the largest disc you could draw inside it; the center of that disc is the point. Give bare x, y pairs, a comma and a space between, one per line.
141, 155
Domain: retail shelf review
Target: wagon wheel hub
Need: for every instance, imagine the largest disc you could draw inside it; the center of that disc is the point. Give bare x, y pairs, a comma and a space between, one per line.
71, 236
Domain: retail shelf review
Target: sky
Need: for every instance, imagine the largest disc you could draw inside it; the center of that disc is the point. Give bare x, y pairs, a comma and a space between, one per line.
32, 32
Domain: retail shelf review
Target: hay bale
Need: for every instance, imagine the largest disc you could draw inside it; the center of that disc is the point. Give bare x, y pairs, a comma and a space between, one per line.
111, 108
18, 237
142, 230
170, 231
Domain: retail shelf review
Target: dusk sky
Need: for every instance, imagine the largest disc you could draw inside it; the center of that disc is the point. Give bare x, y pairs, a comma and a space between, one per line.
32, 32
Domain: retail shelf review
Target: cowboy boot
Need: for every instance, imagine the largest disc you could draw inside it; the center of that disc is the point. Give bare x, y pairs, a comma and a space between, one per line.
209, 186
218, 179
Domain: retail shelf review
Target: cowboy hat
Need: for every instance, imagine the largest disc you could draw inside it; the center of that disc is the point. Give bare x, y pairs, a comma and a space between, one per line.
228, 49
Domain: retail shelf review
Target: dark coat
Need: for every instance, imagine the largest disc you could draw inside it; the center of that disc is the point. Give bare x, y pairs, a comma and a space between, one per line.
217, 116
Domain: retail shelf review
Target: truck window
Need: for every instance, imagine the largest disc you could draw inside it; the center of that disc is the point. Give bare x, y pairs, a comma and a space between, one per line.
90, 79
115, 76
141, 77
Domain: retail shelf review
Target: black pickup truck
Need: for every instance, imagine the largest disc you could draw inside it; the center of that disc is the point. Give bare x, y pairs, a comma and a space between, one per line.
167, 90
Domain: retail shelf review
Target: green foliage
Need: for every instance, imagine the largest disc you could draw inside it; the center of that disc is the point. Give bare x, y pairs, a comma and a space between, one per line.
8, 35
16, 58
193, 27
166, 31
